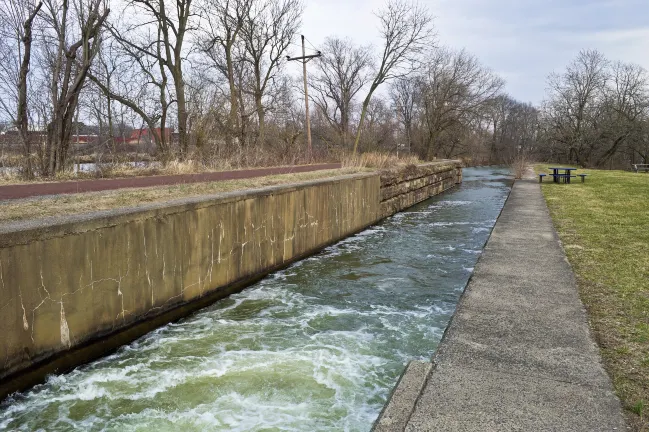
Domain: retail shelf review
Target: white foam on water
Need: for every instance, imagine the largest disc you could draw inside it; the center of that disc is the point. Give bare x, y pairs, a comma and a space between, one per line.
436, 309
451, 203
390, 326
390, 283
448, 224
280, 355
378, 229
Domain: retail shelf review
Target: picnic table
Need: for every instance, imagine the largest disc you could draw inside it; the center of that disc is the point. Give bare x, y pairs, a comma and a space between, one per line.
641, 167
565, 177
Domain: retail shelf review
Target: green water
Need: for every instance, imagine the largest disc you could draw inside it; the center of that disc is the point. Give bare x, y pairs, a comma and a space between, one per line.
316, 347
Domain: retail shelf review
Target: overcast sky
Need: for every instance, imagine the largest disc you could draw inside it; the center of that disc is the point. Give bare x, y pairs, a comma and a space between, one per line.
522, 40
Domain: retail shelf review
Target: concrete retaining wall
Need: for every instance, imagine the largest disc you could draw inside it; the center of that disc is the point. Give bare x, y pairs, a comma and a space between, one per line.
74, 288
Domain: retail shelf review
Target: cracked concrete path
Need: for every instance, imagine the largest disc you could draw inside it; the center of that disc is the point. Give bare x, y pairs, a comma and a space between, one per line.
518, 354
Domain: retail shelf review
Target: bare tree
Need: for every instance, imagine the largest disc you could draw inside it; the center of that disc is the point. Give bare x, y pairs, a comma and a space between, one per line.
208, 113
224, 22
162, 38
404, 93
574, 108
515, 129
625, 106
456, 88
17, 21
380, 127
144, 82
267, 32
406, 30
597, 113
81, 22
342, 71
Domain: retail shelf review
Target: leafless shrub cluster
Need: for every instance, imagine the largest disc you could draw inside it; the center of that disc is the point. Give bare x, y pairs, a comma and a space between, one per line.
208, 81
519, 164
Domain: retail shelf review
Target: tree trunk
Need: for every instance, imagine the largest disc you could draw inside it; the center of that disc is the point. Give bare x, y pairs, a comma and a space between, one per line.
183, 142
366, 103
22, 119
344, 126
111, 134
261, 116
233, 121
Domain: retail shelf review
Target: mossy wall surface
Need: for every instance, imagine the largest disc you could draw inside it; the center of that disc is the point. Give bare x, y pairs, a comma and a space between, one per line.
72, 282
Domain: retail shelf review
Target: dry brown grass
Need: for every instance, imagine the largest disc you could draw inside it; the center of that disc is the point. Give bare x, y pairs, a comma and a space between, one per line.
31, 208
121, 170
519, 165
125, 170
379, 160
7, 178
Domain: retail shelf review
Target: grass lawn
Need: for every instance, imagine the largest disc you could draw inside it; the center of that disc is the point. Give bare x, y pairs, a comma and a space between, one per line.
604, 226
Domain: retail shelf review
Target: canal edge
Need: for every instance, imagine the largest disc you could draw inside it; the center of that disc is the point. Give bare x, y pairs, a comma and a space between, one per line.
394, 191
405, 394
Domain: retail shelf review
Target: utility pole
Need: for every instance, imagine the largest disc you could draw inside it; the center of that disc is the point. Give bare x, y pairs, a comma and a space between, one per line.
305, 58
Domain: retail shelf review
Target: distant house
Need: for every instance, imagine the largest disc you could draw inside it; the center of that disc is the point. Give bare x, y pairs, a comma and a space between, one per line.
144, 136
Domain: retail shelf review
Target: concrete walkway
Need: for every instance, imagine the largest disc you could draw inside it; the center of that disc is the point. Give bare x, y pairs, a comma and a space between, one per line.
518, 355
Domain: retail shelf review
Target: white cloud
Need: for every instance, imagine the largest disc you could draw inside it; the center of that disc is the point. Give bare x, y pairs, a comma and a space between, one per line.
524, 40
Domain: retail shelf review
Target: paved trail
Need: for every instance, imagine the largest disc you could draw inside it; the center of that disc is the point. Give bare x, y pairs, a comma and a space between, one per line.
37, 189
518, 355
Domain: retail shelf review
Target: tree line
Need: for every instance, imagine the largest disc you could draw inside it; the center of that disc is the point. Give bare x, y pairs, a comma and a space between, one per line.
215, 72
597, 113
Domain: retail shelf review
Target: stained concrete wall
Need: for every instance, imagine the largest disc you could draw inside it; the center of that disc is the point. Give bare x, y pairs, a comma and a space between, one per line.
404, 188
74, 288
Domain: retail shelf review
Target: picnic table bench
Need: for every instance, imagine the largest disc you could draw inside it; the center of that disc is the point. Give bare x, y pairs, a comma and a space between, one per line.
557, 177
640, 167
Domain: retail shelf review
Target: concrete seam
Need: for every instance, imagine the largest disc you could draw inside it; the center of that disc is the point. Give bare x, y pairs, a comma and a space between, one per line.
421, 391
535, 377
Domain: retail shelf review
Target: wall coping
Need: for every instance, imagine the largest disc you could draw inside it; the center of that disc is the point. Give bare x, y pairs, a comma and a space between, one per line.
26, 231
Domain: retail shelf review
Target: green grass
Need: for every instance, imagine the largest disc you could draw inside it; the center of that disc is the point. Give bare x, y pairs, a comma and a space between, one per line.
604, 227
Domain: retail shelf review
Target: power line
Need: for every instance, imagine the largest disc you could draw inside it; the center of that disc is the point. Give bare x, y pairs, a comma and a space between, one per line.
314, 48
300, 46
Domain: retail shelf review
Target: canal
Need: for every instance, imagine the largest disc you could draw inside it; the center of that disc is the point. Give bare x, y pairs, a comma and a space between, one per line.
315, 347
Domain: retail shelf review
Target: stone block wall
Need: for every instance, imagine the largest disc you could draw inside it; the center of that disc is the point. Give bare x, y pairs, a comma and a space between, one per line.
405, 188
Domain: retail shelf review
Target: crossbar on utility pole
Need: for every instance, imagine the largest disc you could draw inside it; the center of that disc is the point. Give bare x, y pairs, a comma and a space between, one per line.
305, 58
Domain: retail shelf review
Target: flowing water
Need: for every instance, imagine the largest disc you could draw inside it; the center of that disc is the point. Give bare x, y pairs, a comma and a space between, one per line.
315, 347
